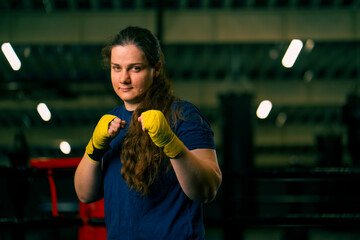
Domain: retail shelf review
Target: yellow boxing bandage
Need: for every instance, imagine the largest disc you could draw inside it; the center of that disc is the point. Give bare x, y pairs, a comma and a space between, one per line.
100, 141
161, 134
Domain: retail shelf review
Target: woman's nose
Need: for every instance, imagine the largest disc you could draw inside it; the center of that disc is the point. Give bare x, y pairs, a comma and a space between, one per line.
124, 76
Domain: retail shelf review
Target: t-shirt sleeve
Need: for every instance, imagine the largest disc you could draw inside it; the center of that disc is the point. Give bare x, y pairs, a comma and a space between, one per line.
193, 129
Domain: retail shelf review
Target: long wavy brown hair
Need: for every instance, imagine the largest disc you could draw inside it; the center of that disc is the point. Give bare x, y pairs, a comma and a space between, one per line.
142, 160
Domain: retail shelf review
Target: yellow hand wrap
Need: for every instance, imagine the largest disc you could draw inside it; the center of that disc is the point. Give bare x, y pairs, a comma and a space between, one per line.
100, 141
161, 134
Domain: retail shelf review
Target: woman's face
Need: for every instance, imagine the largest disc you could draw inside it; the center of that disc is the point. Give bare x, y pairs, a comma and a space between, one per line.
131, 74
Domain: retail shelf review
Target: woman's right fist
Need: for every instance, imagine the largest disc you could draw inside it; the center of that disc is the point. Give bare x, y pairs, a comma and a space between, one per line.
106, 129
115, 126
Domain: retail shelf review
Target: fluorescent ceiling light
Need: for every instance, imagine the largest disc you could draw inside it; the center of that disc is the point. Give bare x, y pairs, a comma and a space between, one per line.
44, 111
65, 147
11, 56
292, 53
264, 109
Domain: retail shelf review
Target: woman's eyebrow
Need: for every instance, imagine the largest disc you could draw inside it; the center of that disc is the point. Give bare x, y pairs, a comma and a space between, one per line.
131, 64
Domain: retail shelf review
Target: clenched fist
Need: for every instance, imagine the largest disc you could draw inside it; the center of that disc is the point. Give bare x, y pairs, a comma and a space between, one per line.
106, 129
154, 122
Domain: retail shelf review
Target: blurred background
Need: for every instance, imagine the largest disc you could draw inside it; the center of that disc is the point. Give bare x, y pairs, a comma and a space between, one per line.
287, 130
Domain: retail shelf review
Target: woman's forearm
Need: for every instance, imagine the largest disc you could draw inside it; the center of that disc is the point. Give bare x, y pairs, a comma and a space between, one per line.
198, 173
87, 180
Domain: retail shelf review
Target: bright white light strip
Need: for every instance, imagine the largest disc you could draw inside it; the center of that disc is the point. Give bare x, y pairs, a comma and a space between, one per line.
44, 111
292, 53
264, 109
65, 147
11, 56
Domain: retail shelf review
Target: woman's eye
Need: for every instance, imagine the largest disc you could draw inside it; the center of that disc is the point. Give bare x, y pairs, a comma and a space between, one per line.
115, 68
136, 69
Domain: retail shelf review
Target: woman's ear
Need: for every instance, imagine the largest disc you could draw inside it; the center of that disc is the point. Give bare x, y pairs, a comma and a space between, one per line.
157, 69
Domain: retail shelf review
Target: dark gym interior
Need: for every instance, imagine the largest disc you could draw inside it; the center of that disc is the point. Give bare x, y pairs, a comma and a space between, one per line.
293, 174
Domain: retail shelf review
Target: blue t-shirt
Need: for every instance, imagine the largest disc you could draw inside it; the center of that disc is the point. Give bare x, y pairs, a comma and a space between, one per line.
166, 212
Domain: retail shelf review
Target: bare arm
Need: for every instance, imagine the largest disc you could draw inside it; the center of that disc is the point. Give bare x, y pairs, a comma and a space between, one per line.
88, 175
198, 173
87, 180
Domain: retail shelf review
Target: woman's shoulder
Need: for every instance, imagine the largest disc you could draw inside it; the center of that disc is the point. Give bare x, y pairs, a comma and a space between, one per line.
188, 111
184, 106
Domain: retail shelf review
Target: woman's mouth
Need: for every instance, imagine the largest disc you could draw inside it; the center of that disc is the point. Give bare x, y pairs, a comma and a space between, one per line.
125, 89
